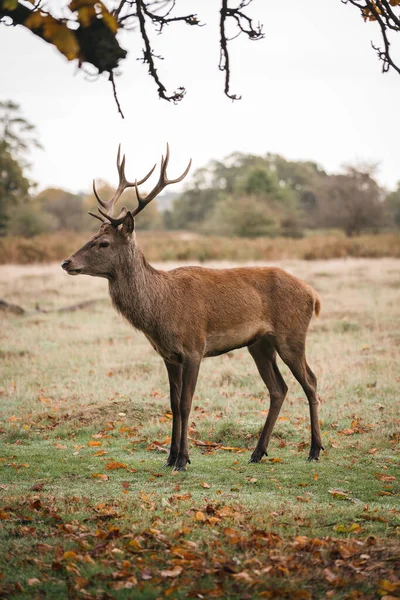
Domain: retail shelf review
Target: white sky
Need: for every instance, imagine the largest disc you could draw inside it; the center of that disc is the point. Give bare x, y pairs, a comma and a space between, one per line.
312, 89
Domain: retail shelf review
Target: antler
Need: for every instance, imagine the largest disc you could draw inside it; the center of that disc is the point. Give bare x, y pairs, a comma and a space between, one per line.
163, 181
143, 201
122, 185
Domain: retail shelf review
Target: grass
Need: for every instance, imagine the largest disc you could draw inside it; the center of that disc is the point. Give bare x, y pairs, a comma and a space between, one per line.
169, 246
87, 509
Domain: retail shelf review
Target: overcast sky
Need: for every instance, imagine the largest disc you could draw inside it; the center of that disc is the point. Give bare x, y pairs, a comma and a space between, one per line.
312, 89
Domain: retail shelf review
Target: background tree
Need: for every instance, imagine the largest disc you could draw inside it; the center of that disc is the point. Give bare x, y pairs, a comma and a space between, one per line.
270, 198
88, 30
14, 186
352, 201
16, 133
392, 207
17, 136
66, 209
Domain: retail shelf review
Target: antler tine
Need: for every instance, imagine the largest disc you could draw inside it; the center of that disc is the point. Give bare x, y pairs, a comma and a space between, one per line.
95, 216
99, 200
115, 221
163, 181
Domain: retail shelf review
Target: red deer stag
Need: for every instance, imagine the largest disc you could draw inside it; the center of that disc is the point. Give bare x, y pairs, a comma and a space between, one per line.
190, 313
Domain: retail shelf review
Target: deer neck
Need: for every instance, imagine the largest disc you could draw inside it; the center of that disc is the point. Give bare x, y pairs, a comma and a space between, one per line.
137, 291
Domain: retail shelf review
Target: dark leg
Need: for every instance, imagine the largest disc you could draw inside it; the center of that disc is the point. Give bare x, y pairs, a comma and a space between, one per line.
264, 356
175, 388
296, 361
189, 380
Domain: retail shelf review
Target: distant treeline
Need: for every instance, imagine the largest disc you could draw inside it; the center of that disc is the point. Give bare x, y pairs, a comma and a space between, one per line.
242, 196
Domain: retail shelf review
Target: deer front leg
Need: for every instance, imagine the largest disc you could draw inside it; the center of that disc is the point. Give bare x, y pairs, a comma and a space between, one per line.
175, 390
189, 380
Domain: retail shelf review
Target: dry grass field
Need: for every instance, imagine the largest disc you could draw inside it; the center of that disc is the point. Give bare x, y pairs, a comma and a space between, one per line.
87, 509
180, 245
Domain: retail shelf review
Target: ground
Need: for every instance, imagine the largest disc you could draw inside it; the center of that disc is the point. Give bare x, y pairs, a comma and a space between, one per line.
87, 509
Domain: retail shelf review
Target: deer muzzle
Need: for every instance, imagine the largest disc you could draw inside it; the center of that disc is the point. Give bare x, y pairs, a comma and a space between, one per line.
68, 267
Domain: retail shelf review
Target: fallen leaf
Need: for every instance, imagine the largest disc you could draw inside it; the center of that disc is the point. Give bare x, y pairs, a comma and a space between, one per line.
100, 476
37, 487
113, 465
205, 485
383, 477
339, 528
93, 443
69, 555
175, 572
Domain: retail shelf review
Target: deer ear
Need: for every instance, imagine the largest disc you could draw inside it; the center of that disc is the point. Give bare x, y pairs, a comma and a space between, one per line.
128, 225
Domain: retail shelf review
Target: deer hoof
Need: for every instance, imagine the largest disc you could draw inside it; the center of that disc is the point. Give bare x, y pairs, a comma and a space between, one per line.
179, 468
181, 462
314, 453
256, 457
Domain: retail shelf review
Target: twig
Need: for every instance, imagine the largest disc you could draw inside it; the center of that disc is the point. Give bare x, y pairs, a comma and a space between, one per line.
111, 78
148, 57
245, 25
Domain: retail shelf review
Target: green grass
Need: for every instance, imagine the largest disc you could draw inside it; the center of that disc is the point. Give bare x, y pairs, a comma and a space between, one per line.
80, 391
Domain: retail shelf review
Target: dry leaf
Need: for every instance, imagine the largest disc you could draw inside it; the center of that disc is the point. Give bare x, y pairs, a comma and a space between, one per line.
175, 572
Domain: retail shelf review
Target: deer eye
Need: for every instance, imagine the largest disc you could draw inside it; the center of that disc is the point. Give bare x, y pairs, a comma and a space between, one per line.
104, 244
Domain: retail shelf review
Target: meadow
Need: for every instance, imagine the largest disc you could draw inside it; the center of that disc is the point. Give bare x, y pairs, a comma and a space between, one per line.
182, 246
87, 509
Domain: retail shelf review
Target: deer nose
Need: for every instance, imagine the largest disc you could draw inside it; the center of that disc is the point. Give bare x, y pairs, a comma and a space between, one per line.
65, 264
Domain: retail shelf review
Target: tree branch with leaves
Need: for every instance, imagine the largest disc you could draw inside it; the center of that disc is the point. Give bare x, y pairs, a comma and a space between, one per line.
88, 31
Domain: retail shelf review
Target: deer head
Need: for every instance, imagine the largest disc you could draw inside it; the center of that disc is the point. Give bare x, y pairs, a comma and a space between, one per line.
110, 246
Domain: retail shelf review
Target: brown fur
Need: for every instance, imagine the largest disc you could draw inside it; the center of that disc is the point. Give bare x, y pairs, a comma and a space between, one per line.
190, 313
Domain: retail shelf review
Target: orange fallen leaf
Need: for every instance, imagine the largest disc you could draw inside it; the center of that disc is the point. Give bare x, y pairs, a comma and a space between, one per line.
69, 555
275, 460
200, 516
383, 477
93, 443
113, 465
100, 476
205, 485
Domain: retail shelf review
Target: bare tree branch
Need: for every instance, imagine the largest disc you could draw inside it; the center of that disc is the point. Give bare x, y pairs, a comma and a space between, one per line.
149, 56
245, 25
383, 13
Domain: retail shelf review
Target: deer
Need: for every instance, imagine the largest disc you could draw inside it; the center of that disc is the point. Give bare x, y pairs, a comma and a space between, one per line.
192, 312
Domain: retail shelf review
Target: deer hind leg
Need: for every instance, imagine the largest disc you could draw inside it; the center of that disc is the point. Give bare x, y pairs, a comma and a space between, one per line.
264, 356
190, 371
296, 361
175, 388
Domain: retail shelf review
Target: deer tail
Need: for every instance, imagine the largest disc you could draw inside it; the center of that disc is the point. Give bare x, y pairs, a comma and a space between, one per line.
317, 305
